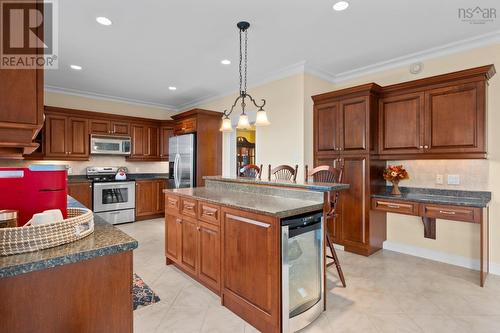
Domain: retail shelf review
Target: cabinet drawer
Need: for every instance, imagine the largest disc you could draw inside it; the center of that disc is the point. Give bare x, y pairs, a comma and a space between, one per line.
172, 204
188, 207
409, 208
455, 213
209, 213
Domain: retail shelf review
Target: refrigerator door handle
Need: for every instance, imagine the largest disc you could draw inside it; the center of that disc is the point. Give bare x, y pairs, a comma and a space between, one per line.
176, 170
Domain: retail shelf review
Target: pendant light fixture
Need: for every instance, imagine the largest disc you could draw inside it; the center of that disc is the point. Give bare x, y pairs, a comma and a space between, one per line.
243, 122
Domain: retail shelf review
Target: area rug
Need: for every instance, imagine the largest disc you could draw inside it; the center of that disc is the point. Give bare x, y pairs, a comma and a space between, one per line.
143, 295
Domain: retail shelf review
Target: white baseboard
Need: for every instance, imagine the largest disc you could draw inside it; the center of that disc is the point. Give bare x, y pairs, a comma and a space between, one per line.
439, 256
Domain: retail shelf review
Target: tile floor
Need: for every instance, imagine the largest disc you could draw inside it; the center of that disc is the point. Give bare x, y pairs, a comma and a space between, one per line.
387, 292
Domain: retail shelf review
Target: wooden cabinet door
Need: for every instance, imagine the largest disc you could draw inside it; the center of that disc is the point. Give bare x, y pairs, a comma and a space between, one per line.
77, 140
353, 124
160, 197
138, 140
100, 126
120, 128
55, 136
209, 255
251, 267
173, 225
165, 134
455, 119
152, 144
81, 192
145, 198
352, 206
189, 245
326, 126
401, 128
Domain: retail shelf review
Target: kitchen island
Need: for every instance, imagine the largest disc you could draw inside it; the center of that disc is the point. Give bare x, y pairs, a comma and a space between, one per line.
83, 286
228, 236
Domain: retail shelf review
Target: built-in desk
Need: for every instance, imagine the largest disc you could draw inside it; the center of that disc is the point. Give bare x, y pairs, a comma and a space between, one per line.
432, 204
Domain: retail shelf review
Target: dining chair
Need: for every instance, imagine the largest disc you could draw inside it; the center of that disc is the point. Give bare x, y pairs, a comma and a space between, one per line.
251, 171
283, 172
329, 174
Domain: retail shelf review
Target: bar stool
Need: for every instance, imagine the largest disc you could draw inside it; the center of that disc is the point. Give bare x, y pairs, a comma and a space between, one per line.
329, 174
283, 172
251, 171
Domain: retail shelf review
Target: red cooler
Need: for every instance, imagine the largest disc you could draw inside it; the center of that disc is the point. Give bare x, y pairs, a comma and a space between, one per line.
34, 189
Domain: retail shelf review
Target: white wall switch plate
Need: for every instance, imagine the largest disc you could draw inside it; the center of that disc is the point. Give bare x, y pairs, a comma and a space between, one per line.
453, 179
439, 179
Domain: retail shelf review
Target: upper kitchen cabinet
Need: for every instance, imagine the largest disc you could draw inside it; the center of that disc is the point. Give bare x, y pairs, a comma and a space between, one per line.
166, 132
441, 117
205, 124
66, 138
345, 120
145, 141
21, 109
105, 127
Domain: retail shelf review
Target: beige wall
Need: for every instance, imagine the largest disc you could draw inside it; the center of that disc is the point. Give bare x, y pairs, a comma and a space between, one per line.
289, 140
106, 106
282, 141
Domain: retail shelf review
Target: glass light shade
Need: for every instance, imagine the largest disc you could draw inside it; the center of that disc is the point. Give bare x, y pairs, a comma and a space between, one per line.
226, 125
262, 119
243, 122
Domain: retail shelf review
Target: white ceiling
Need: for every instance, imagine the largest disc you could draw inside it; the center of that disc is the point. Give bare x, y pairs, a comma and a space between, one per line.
154, 44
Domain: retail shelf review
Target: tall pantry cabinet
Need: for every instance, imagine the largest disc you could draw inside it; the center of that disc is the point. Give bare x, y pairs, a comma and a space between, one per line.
345, 131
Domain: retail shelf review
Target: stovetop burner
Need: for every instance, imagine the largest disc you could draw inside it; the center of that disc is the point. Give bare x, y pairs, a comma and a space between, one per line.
105, 174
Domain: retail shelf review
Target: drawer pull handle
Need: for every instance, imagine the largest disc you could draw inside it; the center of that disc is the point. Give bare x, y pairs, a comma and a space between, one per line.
209, 212
447, 212
189, 206
393, 206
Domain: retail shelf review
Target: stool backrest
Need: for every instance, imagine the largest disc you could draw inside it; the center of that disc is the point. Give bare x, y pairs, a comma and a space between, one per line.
251, 171
283, 172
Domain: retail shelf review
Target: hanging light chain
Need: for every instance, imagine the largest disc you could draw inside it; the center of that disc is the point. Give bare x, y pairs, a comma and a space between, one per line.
246, 59
241, 63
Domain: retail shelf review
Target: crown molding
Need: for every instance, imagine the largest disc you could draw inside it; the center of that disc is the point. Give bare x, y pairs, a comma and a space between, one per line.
435, 52
109, 98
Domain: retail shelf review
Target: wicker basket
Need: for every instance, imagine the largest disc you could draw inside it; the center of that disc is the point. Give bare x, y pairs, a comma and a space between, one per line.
80, 223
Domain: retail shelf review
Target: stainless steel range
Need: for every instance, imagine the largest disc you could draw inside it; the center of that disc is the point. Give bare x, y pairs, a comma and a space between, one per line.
114, 200
302, 259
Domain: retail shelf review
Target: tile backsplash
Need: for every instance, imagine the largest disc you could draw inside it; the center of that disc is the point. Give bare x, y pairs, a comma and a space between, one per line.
474, 174
78, 167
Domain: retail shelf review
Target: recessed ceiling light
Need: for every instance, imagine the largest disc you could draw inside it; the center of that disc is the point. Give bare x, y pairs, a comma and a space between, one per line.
341, 5
76, 67
172, 88
225, 62
103, 20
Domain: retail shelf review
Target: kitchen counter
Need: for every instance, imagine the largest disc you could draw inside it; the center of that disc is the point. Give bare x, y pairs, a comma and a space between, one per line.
478, 199
130, 176
276, 206
105, 240
311, 186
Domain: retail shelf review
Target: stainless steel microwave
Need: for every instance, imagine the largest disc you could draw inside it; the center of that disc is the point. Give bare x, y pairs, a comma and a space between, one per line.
110, 145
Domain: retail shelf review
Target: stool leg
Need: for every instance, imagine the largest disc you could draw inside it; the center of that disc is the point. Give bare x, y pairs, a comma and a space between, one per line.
335, 260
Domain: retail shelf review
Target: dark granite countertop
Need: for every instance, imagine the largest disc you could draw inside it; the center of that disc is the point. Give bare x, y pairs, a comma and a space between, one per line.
105, 240
311, 186
130, 176
147, 176
438, 196
252, 202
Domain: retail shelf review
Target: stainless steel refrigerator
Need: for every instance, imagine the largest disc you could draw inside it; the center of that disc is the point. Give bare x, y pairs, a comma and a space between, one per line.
182, 158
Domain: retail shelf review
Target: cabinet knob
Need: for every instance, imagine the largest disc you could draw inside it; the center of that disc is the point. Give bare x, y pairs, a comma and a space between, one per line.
69, 153
426, 146
179, 221
198, 228
421, 147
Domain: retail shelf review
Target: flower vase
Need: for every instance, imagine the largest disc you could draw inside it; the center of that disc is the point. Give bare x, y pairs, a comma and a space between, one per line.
395, 188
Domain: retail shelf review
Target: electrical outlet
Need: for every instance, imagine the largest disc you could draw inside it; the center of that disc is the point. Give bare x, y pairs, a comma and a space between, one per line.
453, 179
70, 170
439, 179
